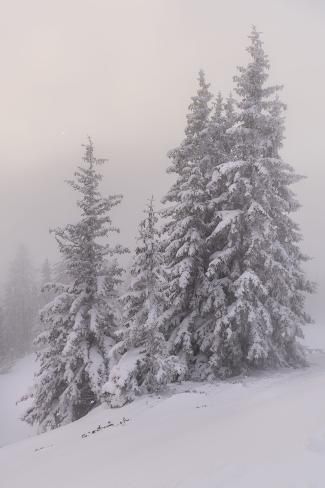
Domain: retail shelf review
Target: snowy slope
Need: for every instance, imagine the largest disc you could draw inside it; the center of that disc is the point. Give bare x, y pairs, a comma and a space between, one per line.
13, 386
261, 432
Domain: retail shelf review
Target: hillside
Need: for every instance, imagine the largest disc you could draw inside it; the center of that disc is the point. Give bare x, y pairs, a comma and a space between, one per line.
266, 431
13, 385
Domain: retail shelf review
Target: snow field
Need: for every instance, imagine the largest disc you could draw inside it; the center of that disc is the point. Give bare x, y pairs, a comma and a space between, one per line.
263, 431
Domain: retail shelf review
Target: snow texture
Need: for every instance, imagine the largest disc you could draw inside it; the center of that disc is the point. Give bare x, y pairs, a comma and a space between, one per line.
261, 431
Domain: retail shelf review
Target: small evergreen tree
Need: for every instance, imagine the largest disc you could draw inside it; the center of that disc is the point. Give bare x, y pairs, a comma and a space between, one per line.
144, 365
80, 323
260, 254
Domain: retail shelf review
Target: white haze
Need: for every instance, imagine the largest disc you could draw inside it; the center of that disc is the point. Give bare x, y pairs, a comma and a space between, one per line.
123, 71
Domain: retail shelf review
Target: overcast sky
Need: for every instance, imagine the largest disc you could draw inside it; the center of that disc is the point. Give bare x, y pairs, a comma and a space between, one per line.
123, 71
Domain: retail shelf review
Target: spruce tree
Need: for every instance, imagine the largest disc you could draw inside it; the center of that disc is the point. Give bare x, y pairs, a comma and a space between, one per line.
214, 305
143, 363
80, 323
186, 230
45, 294
260, 255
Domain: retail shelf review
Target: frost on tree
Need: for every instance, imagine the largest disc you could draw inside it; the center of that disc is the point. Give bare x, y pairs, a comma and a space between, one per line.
185, 232
260, 257
143, 364
44, 295
213, 307
80, 323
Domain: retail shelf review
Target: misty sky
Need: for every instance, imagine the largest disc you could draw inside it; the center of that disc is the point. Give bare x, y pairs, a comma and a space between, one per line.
123, 71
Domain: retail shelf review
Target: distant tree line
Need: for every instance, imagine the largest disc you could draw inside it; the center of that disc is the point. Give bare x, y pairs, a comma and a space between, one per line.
20, 303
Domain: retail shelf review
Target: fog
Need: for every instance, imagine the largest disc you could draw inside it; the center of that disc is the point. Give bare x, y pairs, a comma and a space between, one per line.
123, 71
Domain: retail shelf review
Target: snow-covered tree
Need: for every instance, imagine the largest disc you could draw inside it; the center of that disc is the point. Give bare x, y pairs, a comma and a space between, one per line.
144, 293
259, 255
44, 295
20, 305
79, 325
60, 272
213, 304
46, 277
143, 361
186, 230
46, 272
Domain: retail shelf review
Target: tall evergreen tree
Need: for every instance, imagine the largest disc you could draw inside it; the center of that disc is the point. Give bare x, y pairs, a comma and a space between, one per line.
144, 365
260, 256
186, 230
214, 306
80, 323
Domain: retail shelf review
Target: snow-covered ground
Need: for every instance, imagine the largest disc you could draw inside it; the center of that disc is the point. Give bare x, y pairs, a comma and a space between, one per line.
13, 385
266, 431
